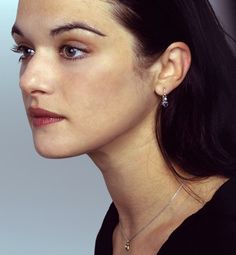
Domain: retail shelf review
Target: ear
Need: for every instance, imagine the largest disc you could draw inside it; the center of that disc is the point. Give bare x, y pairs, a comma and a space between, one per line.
171, 68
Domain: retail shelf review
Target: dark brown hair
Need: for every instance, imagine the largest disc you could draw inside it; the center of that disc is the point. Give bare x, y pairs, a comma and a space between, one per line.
198, 129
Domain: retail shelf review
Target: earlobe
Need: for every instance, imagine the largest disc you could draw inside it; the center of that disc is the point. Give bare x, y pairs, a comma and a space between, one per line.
174, 64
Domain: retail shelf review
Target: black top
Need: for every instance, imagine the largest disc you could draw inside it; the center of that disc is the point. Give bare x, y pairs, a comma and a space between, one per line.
210, 231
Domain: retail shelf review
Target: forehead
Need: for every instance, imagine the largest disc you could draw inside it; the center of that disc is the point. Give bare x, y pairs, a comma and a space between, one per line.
97, 12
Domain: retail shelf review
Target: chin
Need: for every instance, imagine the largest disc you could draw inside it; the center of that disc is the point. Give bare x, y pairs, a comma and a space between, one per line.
56, 152
57, 148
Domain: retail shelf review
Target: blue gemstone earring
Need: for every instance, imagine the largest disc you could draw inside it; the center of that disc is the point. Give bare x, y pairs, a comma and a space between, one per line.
164, 101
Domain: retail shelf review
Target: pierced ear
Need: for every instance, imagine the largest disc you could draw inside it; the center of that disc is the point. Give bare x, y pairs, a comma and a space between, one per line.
173, 66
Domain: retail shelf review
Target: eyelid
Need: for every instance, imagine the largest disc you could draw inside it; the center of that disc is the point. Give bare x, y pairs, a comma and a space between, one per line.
77, 43
74, 45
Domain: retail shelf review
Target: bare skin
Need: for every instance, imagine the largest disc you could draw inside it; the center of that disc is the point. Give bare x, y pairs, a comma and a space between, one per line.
90, 78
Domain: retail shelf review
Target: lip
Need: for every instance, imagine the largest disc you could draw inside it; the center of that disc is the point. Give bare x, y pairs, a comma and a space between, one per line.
40, 117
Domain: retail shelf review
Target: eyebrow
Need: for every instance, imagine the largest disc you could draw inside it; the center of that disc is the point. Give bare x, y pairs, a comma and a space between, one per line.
16, 30
62, 29
75, 25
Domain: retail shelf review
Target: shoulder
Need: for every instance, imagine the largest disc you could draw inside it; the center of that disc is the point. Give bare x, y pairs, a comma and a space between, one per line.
223, 204
212, 230
219, 219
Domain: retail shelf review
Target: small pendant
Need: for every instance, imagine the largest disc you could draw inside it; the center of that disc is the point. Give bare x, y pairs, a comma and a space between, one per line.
127, 245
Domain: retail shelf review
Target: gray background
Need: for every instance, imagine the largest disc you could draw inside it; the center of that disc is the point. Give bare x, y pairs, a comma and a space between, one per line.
49, 207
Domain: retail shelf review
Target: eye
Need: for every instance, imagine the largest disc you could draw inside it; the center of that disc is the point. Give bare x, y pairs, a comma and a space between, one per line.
72, 53
25, 51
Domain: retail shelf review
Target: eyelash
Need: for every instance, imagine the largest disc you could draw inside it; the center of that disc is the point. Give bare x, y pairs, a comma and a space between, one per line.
22, 49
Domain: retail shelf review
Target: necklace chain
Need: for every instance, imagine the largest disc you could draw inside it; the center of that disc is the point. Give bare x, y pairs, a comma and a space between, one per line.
128, 240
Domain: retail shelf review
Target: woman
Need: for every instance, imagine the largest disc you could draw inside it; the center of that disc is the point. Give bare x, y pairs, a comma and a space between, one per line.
146, 89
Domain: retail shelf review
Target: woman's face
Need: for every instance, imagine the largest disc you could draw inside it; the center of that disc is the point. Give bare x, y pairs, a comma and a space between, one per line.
79, 77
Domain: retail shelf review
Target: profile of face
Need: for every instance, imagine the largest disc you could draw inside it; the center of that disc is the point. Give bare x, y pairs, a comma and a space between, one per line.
78, 77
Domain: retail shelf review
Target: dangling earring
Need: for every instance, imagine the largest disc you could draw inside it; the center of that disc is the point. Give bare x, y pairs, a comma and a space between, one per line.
164, 101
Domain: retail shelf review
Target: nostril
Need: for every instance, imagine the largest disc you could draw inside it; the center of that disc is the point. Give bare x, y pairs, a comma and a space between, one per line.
33, 84
35, 92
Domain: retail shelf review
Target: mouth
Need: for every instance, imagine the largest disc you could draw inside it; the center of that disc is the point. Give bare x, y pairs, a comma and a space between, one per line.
41, 117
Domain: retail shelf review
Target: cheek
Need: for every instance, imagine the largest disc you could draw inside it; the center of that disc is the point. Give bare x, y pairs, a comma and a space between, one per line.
105, 102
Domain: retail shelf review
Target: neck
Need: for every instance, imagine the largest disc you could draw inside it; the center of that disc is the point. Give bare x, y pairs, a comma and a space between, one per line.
136, 175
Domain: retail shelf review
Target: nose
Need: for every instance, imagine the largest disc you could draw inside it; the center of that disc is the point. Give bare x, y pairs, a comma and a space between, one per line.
37, 76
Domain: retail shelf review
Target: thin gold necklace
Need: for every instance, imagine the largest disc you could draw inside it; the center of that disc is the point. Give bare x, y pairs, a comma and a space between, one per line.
130, 239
